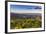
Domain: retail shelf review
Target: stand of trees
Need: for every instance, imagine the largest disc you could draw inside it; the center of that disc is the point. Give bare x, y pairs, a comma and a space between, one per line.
21, 23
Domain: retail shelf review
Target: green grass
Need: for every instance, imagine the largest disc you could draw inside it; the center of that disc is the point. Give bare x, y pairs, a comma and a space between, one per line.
21, 23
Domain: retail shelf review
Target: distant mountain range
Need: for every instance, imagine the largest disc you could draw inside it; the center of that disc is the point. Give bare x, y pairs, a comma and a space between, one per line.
25, 15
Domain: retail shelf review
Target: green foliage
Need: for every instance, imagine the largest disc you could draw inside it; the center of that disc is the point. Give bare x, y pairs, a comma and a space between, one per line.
21, 23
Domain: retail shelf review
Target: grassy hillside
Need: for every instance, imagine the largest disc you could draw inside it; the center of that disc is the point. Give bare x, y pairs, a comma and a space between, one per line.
34, 21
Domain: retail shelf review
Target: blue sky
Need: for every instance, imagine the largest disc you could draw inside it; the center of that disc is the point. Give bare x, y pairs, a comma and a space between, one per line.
25, 7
